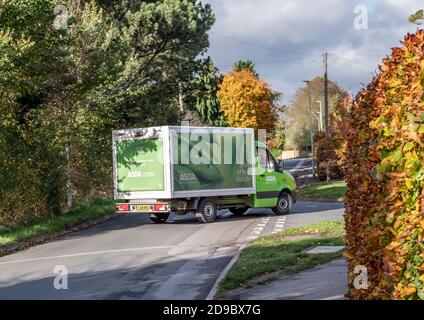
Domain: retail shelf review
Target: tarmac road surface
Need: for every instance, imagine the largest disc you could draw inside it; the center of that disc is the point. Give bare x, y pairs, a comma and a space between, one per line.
131, 258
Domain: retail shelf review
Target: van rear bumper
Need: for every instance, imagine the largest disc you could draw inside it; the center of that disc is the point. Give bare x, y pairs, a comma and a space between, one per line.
162, 207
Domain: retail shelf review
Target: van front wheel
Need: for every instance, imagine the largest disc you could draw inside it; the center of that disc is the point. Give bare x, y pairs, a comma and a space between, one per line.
284, 204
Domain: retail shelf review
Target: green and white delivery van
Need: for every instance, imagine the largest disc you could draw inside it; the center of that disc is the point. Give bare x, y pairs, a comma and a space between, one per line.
197, 170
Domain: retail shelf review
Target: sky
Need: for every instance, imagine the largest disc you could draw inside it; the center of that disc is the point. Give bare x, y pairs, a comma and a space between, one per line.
287, 38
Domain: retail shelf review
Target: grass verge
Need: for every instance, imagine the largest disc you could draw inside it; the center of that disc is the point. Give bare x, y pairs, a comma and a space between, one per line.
281, 254
332, 190
91, 210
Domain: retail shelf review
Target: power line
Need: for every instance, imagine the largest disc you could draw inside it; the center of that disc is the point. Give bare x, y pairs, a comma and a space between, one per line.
293, 52
358, 55
357, 62
280, 61
354, 72
259, 46
372, 61
294, 59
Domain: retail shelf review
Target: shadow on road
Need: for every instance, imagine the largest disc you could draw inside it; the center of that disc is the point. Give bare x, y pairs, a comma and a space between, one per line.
315, 207
145, 274
139, 220
135, 224
159, 280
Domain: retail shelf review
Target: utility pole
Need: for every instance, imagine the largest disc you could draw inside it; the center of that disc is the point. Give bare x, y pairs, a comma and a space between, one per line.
320, 116
326, 94
310, 126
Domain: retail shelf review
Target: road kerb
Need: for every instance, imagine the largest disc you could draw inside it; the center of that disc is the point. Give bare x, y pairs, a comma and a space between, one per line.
224, 272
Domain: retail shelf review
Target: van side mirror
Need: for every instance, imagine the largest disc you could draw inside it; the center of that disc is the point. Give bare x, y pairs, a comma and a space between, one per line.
281, 165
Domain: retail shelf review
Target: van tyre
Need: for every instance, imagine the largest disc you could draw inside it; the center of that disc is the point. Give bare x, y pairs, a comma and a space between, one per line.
284, 204
206, 211
159, 217
238, 211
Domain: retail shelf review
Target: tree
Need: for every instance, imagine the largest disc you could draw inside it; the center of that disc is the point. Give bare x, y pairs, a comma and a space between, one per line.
246, 65
280, 133
148, 49
298, 130
248, 102
31, 180
276, 141
202, 97
68, 88
160, 44
415, 18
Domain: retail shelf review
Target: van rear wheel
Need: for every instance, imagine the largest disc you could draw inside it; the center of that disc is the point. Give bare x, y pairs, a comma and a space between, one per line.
206, 211
284, 204
159, 217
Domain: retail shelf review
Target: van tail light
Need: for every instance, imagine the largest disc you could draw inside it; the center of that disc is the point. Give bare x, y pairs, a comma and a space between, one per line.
122, 207
161, 207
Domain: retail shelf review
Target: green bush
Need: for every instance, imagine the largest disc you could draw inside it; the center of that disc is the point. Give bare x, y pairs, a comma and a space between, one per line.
31, 180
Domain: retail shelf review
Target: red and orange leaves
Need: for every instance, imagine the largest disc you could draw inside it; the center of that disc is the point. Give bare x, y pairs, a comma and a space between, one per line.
385, 177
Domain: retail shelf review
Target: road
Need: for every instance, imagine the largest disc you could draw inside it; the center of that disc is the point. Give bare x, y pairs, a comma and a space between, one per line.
297, 165
131, 258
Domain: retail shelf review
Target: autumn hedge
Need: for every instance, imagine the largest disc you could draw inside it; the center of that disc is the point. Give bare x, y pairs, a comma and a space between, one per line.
385, 178
330, 158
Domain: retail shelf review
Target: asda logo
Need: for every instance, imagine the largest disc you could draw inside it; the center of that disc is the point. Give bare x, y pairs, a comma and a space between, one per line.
139, 174
271, 179
188, 176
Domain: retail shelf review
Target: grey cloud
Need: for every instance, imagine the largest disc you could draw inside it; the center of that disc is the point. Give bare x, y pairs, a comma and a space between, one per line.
307, 28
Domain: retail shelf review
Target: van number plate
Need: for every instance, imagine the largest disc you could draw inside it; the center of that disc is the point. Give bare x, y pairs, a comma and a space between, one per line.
141, 208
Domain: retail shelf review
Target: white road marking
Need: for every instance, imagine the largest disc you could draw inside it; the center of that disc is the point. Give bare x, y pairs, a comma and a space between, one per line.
279, 225
85, 254
258, 228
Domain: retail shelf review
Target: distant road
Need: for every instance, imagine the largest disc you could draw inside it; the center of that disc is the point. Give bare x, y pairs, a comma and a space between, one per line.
298, 164
131, 258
